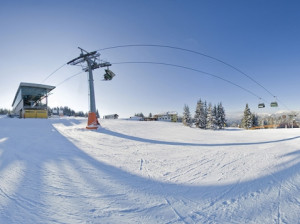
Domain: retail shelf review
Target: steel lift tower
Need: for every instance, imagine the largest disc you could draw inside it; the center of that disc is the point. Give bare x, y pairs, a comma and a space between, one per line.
90, 59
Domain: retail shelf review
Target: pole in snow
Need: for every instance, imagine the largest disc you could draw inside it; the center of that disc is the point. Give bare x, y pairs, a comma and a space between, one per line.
90, 59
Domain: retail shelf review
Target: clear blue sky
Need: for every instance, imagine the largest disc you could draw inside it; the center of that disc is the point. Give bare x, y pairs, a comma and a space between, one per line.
261, 38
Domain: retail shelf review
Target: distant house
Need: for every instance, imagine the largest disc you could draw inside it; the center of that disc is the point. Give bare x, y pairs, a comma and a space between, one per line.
58, 112
168, 116
54, 111
136, 118
111, 116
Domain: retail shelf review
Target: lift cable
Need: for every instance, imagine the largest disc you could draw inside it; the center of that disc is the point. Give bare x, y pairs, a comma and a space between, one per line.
53, 72
182, 49
191, 69
70, 77
198, 53
191, 51
281, 102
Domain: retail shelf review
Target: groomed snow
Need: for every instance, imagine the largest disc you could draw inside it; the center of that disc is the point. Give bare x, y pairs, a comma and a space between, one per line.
56, 171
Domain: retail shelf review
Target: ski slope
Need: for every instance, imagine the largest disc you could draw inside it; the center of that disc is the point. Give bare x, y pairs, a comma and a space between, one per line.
56, 171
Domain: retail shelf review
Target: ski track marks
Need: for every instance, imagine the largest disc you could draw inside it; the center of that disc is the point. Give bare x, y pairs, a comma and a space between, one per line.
146, 172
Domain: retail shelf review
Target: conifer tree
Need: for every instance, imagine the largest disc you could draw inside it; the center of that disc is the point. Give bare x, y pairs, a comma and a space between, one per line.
255, 120
139, 115
187, 119
247, 121
209, 117
214, 117
198, 113
221, 119
204, 117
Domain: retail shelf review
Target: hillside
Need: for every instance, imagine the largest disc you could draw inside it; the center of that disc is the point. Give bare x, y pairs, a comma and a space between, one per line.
56, 171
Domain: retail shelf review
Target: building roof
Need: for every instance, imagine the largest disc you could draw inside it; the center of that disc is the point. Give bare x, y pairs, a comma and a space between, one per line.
43, 88
167, 113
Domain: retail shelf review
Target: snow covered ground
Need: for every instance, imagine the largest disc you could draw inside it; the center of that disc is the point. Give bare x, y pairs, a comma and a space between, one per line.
56, 171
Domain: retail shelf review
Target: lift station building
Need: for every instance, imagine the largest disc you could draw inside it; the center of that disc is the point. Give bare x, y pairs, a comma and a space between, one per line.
31, 100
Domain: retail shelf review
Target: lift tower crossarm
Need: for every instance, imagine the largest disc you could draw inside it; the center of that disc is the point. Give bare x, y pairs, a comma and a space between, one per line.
83, 57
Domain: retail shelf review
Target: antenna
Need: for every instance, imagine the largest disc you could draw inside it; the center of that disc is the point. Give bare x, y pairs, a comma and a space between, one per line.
91, 64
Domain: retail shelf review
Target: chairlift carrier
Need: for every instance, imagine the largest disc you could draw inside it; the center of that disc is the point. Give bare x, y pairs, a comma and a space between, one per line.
108, 75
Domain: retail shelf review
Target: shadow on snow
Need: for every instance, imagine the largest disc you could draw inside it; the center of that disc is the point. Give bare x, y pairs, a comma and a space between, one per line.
151, 141
80, 173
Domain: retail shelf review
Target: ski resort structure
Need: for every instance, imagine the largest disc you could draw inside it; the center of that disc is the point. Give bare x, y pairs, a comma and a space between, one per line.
168, 116
31, 100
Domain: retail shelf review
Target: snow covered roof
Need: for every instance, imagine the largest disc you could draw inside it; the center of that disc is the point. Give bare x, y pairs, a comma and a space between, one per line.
167, 113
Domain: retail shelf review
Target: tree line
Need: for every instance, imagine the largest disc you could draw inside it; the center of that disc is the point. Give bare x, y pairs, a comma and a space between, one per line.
250, 119
70, 112
207, 116
4, 111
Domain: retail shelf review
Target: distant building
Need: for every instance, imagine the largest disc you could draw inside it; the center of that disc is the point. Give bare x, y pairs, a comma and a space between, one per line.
57, 112
31, 100
54, 111
136, 118
168, 116
150, 119
111, 116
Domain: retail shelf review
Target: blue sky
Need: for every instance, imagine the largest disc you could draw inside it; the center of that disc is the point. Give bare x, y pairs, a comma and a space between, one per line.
261, 38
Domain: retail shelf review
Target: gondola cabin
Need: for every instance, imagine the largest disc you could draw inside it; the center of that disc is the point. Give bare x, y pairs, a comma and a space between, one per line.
274, 104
